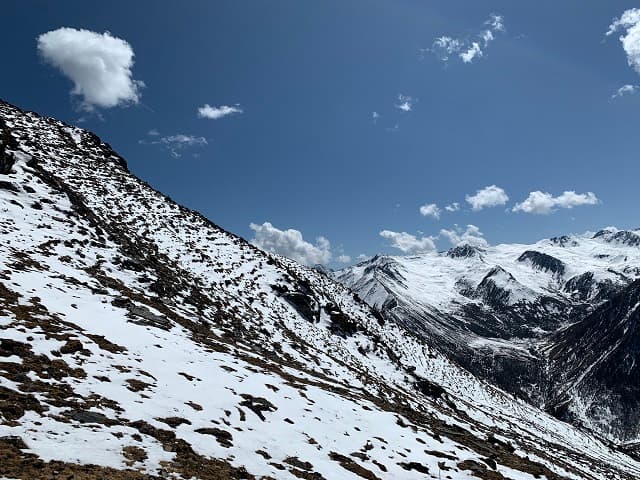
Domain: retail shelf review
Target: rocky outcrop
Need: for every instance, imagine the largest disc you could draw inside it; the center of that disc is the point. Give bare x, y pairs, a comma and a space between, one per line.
542, 261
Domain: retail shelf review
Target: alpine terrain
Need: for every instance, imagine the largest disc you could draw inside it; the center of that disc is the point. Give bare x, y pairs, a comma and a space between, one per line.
138, 340
555, 323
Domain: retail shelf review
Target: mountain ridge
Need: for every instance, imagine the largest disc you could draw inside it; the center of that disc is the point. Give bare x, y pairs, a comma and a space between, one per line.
500, 309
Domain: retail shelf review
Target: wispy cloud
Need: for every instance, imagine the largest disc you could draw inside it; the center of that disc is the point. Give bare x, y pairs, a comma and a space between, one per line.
175, 144
452, 207
405, 103
471, 235
215, 113
625, 90
468, 49
344, 258
407, 243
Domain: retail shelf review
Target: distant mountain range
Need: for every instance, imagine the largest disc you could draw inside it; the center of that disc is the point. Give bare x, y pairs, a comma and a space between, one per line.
554, 322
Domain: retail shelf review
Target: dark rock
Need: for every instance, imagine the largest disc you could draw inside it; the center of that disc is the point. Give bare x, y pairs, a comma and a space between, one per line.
224, 438
7, 142
85, 416
418, 467
621, 236
542, 261
342, 325
132, 264
304, 304
143, 316
4, 185
463, 251
72, 346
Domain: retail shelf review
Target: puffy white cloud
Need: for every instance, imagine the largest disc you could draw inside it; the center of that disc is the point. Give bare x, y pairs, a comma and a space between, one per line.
430, 210
290, 243
490, 196
406, 103
468, 50
215, 113
408, 243
625, 90
471, 235
472, 52
543, 203
629, 23
452, 207
98, 64
344, 258
570, 199
174, 143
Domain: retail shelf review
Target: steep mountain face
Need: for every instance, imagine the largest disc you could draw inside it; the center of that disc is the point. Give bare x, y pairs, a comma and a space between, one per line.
139, 340
596, 363
547, 322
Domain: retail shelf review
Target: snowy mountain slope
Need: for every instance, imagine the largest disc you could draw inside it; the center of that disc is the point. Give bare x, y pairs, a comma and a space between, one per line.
139, 340
496, 309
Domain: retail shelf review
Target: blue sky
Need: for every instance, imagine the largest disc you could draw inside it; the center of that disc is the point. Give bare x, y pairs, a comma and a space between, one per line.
533, 113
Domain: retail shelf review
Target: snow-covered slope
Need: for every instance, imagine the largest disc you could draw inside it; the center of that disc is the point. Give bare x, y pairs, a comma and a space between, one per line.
497, 310
139, 340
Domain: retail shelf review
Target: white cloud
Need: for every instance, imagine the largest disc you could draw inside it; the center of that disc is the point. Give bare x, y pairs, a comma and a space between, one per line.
175, 143
98, 64
344, 258
469, 236
487, 37
452, 207
289, 243
496, 22
406, 103
490, 196
625, 90
629, 22
472, 52
408, 243
362, 257
443, 47
468, 50
543, 203
215, 113
430, 210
